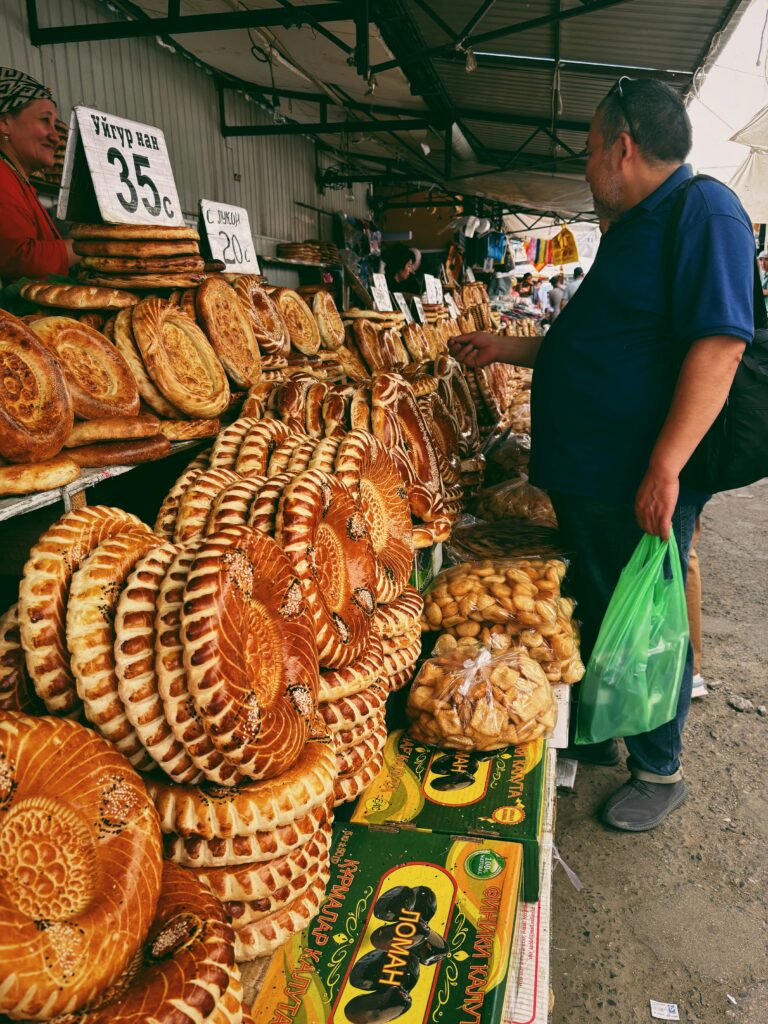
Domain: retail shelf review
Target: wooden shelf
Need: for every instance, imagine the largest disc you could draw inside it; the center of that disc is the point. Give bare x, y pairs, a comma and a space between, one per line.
300, 263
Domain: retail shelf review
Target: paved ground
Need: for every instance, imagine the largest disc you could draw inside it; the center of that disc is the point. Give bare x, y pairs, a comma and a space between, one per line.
679, 914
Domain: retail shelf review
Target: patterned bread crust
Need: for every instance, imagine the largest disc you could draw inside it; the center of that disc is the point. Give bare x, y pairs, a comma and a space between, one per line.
445, 433
133, 231
249, 651
93, 596
352, 759
112, 428
135, 664
253, 882
180, 359
301, 456
231, 1009
121, 453
328, 320
405, 658
36, 412
369, 346
244, 913
16, 691
436, 532
324, 455
263, 937
26, 478
365, 466
136, 249
180, 711
301, 324
258, 445
351, 363
165, 524
350, 787
99, 379
181, 263
187, 967
322, 531
257, 400
214, 812
263, 511
76, 296
399, 680
125, 343
399, 643
291, 401
334, 411
226, 447
454, 391
229, 330
392, 620
360, 408
348, 712
141, 280
232, 505
267, 320
69, 797
343, 682
346, 739
196, 501
188, 430
44, 592
195, 852
282, 455
415, 342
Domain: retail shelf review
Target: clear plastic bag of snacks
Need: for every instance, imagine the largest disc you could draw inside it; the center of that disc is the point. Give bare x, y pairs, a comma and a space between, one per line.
476, 539
476, 698
515, 499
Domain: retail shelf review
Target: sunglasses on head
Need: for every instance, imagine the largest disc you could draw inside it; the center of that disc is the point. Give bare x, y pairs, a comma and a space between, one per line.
618, 91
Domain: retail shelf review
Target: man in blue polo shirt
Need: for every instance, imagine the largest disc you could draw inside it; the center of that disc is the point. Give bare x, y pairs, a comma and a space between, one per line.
630, 378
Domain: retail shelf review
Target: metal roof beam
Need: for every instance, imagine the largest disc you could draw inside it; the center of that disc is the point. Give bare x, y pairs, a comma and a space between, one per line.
342, 10
330, 36
475, 20
513, 62
499, 33
326, 128
435, 17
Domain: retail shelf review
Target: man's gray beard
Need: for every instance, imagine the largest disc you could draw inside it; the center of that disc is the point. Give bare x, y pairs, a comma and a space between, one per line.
608, 206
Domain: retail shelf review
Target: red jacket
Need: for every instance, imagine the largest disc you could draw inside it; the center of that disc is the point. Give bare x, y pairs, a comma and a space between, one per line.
30, 245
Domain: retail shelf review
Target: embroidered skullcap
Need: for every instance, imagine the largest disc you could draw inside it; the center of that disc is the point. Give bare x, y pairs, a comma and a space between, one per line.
17, 89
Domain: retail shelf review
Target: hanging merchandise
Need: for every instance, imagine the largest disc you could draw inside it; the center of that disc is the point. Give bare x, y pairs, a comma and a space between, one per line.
564, 248
539, 252
497, 246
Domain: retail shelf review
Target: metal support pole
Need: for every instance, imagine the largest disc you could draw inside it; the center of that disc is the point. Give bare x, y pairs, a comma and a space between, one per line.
362, 51
448, 164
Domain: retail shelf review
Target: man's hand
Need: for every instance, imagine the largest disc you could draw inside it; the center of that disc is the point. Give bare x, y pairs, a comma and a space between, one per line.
655, 502
477, 348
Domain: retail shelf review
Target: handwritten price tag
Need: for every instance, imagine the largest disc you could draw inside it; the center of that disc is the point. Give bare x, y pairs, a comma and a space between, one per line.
402, 305
381, 297
228, 231
129, 168
418, 309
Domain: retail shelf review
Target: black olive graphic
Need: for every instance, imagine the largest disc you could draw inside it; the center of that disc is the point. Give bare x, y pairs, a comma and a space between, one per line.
431, 949
378, 1007
425, 903
367, 972
382, 937
390, 905
448, 783
455, 764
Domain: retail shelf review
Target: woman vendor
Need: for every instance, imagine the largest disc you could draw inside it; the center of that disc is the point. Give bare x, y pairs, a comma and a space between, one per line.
401, 263
30, 245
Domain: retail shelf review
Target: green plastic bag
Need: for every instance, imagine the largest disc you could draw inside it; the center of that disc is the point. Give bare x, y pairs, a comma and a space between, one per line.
632, 682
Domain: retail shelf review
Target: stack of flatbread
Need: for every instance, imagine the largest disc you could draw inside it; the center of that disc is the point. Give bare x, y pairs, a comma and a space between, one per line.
311, 251
138, 256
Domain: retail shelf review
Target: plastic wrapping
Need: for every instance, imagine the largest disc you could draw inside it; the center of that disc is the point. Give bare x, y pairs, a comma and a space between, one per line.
515, 499
475, 538
632, 684
477, 699
509, 458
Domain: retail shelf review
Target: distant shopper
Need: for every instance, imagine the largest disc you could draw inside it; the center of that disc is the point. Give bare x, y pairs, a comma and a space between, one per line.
30, 245
762, 259
525, 288
401, 263
555, 298
628, 381
573, 285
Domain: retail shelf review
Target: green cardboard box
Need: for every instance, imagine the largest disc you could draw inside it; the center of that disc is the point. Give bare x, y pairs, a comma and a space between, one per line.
415, 927
427, 563
498, 795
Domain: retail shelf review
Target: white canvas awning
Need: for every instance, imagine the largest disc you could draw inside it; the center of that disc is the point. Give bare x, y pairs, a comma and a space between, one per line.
750, 182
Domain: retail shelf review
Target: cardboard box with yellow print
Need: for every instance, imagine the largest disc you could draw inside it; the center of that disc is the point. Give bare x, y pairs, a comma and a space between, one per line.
415, 927
498, 795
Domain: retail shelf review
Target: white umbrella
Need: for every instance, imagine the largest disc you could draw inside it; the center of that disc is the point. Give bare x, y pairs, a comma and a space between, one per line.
750, 182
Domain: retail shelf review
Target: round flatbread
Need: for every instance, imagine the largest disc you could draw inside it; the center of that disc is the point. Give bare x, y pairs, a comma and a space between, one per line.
258, 446
324, 455
245, 913
349, 788
328, 320
232, 505
16, 690
365, 466
226, 447
188, 430
263, 511
261, 938
113, 428
399, 617
36, 411
142, 265
44, 592
133, 231
165, 524
28, 477
136, 249
266, 319
356, 709
249, 651
125, 343
195, 503
121, 453
68, 794
99, 379
301, 324
322, 530
180, 359
229, 330
76, 296
335, 684
145, 282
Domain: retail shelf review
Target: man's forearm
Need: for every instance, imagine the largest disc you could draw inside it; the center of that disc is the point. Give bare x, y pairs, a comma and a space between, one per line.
702, 389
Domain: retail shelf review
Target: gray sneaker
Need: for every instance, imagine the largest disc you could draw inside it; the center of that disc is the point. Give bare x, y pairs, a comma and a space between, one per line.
640, 806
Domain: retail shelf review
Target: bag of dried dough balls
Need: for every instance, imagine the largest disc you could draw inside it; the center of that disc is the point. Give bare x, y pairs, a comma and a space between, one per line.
474, 699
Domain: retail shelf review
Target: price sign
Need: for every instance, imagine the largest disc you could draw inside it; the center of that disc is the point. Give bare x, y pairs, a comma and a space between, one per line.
121, 168
418, 310
228, 232
451, 305
381, 297
469, 274
434, 289
402, 305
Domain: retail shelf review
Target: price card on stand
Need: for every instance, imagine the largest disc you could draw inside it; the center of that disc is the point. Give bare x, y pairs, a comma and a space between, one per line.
117, 171
434, 290
469, 274
382, 300
453, 308
418, 310
228, 232
402, 305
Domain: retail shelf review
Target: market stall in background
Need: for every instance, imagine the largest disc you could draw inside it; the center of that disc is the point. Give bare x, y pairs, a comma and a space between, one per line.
288, 643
